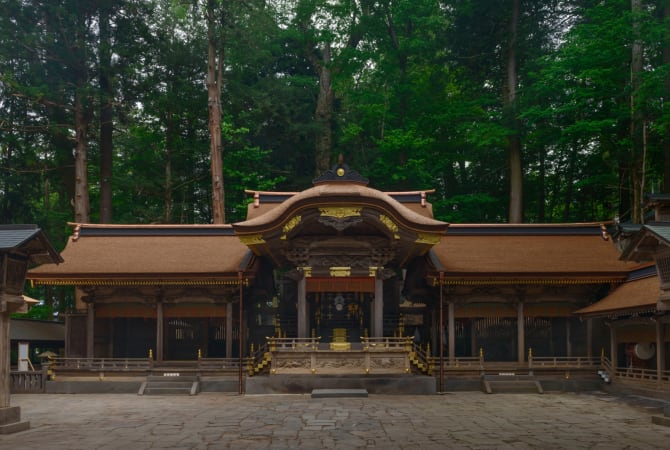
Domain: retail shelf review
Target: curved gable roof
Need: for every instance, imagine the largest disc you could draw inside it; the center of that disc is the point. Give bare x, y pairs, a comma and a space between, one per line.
338, 194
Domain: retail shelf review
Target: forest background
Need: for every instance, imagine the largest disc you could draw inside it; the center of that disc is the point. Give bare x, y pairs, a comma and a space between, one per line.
165, 111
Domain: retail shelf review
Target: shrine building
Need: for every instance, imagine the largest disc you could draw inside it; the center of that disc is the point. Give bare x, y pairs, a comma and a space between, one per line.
340, 269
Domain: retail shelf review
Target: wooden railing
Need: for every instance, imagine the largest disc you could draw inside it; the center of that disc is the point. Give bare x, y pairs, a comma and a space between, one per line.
293, 344
461, 362
218, 363
478, 363
571, 362
643, 375
387, 343
137, 364
101, 364
27, 382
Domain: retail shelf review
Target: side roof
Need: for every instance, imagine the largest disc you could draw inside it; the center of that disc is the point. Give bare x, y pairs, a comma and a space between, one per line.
36, 330
148, 254
561, 253
29, 240
638, 294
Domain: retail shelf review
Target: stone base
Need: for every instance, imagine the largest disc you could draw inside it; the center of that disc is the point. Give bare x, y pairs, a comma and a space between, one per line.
661, 420
305, 384
339, 393
10, 420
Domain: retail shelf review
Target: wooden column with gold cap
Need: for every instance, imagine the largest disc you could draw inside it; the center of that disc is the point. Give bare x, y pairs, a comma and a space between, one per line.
90, 329
521, 336
378, 319
303, 326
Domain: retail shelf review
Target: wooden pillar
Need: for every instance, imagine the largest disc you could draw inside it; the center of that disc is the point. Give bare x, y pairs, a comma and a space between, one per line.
4, 359
473, 337
229, 330
568, 342
160, 322
589, 338
378, 328
660, 349
441, 331
303, 326
451, 324
521, 333
614, 357
90, 330
240, 280
68, 334
110, 347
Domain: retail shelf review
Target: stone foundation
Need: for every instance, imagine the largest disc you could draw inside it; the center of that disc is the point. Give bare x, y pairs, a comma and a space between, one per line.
10, 420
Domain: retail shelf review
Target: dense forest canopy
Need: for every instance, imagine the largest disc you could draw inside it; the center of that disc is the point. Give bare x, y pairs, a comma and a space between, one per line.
515, 110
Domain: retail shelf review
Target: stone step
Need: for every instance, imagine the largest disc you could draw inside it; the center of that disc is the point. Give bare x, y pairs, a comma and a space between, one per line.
166, 391
499, 384
14, 427
170, 385
172, 379
339, 393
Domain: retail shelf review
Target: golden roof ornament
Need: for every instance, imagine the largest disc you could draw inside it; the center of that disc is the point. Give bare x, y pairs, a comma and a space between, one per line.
340, 173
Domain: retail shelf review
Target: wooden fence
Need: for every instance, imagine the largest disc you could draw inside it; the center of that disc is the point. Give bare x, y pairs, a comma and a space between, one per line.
27, 382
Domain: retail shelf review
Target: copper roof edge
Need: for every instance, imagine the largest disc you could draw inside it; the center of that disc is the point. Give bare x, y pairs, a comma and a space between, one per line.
148, 226
531, 225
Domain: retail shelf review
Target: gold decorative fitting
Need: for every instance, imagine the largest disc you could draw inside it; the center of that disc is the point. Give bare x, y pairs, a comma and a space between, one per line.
390, 224
252, 239
340, 212
340, 271
340, 172
373, 271
291, 224
425, 238
307, 271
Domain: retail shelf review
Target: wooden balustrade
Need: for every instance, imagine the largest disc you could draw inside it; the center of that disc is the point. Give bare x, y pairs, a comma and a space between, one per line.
565, 361
101, 364
387, 343
293, 344
636, 373
27, 382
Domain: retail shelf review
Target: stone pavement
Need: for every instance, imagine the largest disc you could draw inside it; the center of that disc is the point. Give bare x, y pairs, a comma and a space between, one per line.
469, 420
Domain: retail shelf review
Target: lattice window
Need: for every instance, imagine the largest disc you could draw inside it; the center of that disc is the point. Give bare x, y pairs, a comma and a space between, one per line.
663, 268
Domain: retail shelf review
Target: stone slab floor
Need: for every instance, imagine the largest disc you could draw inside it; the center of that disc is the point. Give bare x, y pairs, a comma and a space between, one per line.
471, 420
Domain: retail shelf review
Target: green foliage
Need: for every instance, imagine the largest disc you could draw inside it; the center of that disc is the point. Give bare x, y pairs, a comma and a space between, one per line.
418, 88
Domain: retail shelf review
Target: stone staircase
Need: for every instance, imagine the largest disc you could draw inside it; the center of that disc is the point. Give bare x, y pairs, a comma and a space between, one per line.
170, 384
260, 364
511, 383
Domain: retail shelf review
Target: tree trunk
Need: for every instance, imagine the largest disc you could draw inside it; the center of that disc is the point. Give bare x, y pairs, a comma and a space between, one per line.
169, 143
324, 114
215, 56
81, 199
636, 120
514, 142
106, 118
665, 142
542, 189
